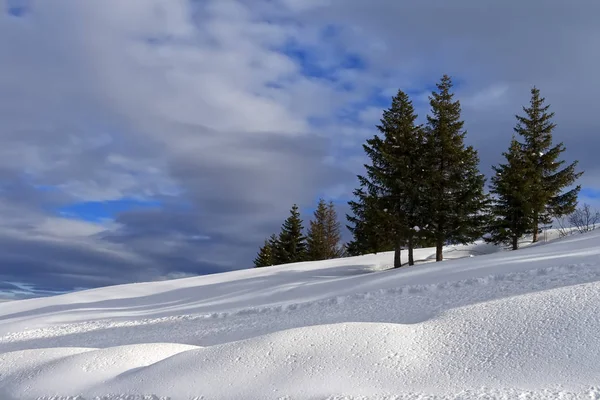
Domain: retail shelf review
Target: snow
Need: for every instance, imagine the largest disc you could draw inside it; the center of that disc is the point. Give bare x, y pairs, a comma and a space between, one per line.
484, 324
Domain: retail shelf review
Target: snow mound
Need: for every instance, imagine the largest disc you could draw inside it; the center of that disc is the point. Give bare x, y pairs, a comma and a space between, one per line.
500, 325
481, 345
34, 373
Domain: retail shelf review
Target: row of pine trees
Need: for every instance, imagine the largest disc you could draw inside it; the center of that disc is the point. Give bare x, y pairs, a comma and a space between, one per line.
321, 242
422, 186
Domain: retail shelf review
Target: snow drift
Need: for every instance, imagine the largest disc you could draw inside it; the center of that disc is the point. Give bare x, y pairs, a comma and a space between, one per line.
496, 325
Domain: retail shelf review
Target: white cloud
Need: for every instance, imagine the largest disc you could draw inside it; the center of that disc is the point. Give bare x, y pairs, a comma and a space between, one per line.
493, 95
195, 104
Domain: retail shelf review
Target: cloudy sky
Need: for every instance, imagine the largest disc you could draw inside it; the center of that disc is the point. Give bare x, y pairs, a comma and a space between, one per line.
151, 139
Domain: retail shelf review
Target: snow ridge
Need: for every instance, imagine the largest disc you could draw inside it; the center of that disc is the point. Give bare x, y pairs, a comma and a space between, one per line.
492, 285
509, 325
483, 393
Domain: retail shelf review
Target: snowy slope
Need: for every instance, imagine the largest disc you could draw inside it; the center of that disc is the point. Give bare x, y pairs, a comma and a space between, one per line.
496, 325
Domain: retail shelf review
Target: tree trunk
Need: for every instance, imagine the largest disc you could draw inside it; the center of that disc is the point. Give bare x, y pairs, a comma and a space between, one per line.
535, 227
397, 258
411, 260
515, 242
438, 250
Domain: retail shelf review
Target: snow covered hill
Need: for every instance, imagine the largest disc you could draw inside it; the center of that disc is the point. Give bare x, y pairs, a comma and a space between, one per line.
486, 324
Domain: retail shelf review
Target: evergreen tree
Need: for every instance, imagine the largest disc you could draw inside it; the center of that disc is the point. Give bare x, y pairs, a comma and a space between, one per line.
291, 246
546, 181
323, 236
333, 234
389, 200
455, 199
511, 214
367, 225
265, 255
402, 149
316, 237
274, 243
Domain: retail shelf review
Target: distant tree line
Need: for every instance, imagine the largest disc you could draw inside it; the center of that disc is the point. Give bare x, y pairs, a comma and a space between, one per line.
422, 187
322, 240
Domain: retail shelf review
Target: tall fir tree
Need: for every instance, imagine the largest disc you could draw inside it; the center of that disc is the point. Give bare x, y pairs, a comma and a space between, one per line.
389, 200
402, 150
323, 238
546, 180
511, 214
291, 244
265, 255
455, 198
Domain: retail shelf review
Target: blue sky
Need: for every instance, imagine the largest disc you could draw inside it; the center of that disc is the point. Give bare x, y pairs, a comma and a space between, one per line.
152, 140
590, 193
17, 8
98, 211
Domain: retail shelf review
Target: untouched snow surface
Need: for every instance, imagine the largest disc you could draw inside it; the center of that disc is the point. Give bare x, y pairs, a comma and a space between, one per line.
488, 324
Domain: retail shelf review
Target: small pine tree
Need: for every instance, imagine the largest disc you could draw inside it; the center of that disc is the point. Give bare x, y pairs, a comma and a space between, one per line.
511, 215
291, 242
546, 182
455, 200
316, 238
265, 255
333, 234
323, 238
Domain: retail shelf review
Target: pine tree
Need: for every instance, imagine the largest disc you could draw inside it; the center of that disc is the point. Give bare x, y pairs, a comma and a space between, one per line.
455, 199
390, 203
291, 243
367, 225
333, 234
316, 237
511, 210
274, 243
545, 180
265, 255
403, 146
323, 238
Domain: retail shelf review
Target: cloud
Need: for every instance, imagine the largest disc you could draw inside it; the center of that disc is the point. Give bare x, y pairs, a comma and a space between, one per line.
159, 102
223, 113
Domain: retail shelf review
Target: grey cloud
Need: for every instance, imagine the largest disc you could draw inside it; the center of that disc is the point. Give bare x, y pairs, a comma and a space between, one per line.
550, 44
94, 114
100, 113
6, 286
63, 265
234, 207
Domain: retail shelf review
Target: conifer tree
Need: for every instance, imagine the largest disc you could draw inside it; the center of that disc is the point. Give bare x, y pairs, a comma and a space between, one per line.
403, 146
455, 200
291, 245
274, 244
393, 181
323, 236
546, 181
333, 234
367, 225
265, 255
511, 214
316, 236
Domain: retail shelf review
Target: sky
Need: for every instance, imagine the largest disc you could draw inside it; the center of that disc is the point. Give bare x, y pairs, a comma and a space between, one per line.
156, 139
